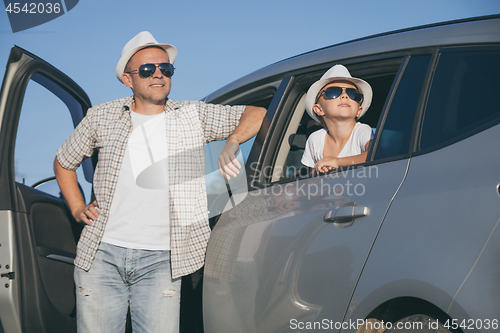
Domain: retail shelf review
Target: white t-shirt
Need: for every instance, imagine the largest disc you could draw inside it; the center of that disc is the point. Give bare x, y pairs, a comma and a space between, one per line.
139, 213
315, 144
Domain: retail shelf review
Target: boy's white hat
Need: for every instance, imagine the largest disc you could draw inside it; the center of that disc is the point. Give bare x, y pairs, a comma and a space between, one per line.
140, 41
337, 72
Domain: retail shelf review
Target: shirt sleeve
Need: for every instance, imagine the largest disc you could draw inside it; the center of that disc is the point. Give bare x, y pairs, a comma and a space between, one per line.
314, 148
219, 121
307, 157
79, 145
365, 135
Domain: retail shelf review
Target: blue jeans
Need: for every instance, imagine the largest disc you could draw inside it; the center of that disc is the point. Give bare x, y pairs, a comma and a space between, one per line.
119, 277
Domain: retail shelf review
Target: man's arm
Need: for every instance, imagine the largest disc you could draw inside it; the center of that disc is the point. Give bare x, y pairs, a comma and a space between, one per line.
249, 125
68, 184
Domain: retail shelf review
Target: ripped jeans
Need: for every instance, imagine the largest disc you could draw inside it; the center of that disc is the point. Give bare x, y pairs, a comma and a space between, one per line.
119, 277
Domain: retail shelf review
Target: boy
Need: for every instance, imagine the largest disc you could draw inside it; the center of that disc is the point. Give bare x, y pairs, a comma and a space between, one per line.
337, 101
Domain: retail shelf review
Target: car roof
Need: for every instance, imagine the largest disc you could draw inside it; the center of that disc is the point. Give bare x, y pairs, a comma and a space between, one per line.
484, 29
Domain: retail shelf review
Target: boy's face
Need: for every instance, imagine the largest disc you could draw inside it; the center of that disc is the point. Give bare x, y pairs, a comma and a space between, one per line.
341, 107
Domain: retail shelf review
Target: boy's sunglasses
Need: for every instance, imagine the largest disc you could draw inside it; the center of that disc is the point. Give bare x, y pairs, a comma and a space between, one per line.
335, 92
147, 70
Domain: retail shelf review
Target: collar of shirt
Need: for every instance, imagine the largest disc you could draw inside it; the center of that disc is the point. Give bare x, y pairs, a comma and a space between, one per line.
169, 105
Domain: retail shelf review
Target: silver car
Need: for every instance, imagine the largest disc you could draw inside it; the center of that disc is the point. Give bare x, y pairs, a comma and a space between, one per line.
409, 240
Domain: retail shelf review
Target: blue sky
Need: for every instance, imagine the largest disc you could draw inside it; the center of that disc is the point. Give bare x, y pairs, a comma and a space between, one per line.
218, 40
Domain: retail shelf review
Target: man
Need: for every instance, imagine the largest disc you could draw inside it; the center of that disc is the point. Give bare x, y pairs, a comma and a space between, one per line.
148, 225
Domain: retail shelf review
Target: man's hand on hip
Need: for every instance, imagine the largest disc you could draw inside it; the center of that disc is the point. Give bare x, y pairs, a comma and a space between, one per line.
87, 214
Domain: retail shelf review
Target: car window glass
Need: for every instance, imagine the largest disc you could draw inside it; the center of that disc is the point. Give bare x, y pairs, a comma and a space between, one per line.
44, 124
462, 96
397, 129
219, 190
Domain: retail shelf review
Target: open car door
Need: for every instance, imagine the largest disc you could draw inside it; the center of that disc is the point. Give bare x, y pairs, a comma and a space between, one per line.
39, 107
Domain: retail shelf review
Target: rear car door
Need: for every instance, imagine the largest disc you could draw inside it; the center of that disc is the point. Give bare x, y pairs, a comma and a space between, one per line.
39, 107
288, 257
443, 220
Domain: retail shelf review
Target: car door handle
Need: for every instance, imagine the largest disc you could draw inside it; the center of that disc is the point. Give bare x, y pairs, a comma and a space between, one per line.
346, 214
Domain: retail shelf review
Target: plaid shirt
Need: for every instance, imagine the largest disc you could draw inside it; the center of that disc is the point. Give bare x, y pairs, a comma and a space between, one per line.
107, 127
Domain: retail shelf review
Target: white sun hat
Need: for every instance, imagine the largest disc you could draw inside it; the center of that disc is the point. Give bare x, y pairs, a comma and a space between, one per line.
337, 72
140, 41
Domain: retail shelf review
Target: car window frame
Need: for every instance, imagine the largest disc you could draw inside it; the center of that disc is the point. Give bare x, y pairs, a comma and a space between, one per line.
300, 80
254, 160
255, 95
432, 52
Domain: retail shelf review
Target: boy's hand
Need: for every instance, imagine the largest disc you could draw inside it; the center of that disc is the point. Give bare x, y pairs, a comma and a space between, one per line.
228, 164
326, 164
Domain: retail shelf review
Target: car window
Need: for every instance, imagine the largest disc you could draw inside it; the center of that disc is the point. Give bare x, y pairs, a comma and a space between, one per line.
397, 129
46, 120
462, 96
379, 74
219, 190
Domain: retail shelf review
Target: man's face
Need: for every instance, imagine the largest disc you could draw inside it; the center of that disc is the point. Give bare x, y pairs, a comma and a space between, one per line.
151, 90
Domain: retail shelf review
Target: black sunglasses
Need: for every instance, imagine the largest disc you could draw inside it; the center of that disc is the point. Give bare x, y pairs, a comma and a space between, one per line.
335, 92
147, 70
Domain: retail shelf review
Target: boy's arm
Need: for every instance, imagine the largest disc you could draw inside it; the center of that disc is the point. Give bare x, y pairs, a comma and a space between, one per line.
249, 125
328, 163
68, 184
